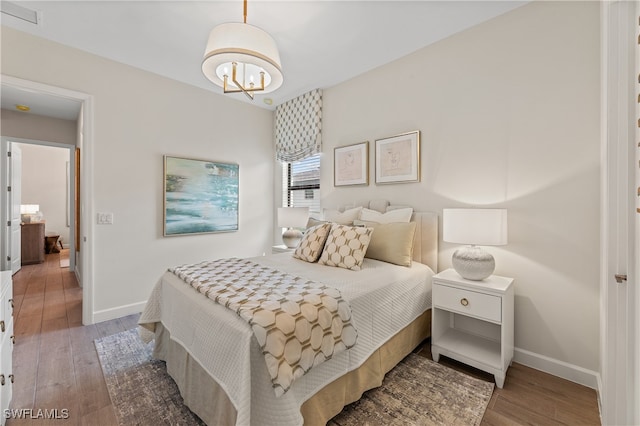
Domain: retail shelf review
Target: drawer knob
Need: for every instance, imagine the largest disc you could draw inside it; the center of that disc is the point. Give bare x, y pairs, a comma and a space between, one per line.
464, 301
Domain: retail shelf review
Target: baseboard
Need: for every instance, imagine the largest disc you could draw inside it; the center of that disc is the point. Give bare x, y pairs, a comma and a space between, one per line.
120, 311
558, 368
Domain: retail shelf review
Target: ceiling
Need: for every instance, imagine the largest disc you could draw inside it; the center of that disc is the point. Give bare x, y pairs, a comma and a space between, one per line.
322, 43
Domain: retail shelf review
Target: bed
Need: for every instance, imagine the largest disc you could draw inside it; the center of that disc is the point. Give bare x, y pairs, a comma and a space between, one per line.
217, 363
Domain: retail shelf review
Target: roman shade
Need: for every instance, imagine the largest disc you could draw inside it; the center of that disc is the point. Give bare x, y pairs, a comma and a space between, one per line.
298, 127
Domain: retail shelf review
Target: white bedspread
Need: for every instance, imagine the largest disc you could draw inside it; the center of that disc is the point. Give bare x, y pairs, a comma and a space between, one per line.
384, 298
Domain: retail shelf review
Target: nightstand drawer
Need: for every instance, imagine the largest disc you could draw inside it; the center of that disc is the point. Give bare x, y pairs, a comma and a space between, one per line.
479, 305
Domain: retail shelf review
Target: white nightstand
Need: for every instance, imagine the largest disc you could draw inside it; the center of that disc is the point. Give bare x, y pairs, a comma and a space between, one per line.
281, 249
472, 322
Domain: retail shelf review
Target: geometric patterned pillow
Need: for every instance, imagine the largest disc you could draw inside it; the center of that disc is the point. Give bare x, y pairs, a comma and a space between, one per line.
346, 246
310, 247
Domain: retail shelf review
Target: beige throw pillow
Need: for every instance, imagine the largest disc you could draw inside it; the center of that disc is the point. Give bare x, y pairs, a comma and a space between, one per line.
346, 247
310, 247
392, 242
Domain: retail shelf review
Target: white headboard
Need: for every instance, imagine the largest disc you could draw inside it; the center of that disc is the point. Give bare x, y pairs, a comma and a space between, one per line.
425, 242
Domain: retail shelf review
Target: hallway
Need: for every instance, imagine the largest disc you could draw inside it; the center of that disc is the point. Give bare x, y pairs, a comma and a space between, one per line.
55, 362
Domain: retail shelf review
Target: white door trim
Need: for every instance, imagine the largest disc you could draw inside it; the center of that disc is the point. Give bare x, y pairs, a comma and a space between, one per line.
86, 273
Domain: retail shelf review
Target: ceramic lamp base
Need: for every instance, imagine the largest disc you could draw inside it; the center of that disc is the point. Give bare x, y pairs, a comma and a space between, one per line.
291, 237
473, 263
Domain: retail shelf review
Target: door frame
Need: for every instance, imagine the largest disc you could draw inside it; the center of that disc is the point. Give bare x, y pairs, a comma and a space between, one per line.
85, 264
619, 302
5, 140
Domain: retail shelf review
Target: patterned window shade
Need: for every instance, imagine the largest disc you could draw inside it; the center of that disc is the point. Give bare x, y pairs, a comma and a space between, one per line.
298, 127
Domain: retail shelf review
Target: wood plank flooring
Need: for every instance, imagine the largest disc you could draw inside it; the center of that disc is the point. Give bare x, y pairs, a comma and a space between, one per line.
56, 365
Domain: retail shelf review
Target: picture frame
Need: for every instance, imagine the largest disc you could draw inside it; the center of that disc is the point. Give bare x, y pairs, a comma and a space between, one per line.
351, 164
398, 158
200, 196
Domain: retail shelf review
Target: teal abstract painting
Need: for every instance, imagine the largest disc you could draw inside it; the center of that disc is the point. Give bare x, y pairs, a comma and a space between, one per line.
199, 196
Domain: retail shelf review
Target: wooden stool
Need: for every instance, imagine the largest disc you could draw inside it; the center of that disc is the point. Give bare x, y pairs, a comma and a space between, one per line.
51, 243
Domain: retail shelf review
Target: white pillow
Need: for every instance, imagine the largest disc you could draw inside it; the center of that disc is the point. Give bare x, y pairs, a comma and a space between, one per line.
398, 215
343, 218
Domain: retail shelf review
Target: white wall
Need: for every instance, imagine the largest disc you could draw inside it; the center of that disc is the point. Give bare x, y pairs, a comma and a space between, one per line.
44, 182
138, 117
509, 117
37, 127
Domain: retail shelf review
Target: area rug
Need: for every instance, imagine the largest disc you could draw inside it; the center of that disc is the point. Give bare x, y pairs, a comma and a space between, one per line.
417, 391
141, 390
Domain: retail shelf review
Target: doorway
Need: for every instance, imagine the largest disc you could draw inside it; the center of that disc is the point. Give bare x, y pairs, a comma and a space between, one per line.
42, 178
84, 244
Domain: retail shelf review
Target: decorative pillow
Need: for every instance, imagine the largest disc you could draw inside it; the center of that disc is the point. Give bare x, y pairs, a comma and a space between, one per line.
312, 221
343, 218
310, 247
392, 243
398, 215
346, 246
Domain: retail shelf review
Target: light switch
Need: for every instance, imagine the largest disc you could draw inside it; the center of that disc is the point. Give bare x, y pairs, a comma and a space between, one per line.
105, 218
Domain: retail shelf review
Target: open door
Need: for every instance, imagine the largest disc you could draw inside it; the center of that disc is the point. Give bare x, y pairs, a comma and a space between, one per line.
15, 183
620, 364
10, 190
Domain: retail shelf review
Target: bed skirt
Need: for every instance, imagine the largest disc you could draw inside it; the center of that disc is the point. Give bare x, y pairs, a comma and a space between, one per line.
209, 401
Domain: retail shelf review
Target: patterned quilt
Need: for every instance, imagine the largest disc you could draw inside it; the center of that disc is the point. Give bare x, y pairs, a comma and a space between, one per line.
298, 323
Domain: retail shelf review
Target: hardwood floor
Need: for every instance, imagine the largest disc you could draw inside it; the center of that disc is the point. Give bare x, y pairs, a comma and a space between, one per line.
55, 362
56, 365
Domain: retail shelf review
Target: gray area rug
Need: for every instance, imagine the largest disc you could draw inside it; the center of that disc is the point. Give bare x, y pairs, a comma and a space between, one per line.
141, 390
419, 391
416, 392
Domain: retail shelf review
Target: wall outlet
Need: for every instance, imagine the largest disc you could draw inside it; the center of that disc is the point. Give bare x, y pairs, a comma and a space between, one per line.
105, 218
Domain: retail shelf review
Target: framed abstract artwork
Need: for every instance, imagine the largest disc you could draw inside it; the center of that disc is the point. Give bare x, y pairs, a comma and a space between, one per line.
398, 158
351, 164
199, 196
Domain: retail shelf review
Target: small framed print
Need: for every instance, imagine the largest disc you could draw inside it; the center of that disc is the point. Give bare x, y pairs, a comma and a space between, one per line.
351, 165
398, 158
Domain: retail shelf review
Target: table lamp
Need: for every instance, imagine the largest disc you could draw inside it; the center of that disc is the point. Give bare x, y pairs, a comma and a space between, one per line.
291, 218
487, 227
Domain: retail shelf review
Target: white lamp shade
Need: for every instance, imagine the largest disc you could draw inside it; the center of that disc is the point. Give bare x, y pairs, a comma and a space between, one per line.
252, 48
486, 227
293, 217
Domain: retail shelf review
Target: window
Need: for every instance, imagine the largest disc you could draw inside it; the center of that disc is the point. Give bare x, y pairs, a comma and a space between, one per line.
301, 184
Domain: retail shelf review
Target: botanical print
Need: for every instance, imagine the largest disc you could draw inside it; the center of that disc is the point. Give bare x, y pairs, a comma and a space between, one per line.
396, 158
200, 196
